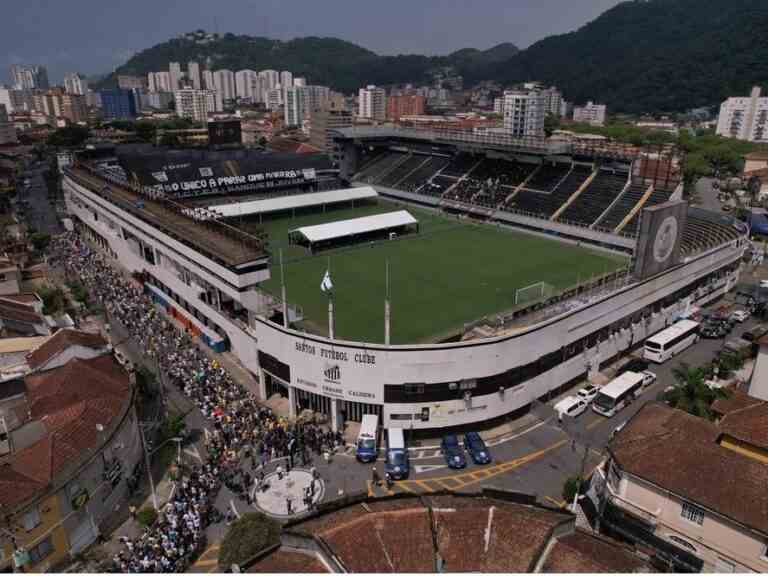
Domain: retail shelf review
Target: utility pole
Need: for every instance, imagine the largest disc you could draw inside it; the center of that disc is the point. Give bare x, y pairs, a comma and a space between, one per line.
149, 469
283, 291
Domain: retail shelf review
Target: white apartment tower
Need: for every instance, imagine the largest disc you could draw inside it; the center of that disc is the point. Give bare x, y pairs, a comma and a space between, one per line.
29, 77
372, 103
295, 105
208, 83
159, 82
174, 70
247, 84
195, 104
193, 72
286, 79
524, 113
553, 99
592, 113
224, 81
76, 84
744, 118
270, 79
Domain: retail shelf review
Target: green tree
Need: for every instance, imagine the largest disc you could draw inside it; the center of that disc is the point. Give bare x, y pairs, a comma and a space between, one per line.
691, 393
169, 140
54, 299
551, 123
246, 537
40, 241
69, 137
570, 488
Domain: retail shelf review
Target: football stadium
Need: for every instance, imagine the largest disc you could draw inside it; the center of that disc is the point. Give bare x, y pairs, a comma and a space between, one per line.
436, 278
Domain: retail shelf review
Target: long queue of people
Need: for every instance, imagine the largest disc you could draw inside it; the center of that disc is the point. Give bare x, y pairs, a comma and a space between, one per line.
240, 431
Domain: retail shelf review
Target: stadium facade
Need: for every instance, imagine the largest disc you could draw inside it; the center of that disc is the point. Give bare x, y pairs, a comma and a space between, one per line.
206, 274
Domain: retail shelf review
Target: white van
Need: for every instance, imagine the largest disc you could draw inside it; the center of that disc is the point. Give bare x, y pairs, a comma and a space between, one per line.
570, 406
367, 439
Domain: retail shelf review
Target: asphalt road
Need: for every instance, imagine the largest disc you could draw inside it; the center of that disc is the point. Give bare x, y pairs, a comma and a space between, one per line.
39, 212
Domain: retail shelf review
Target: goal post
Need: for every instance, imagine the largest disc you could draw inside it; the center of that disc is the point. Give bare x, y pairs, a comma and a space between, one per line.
533, 293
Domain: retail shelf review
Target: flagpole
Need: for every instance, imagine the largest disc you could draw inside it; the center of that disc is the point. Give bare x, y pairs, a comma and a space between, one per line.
331, 327
387, 312
283, 290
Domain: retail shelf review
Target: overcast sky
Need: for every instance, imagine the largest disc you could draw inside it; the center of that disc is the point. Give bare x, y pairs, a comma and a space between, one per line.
95, 36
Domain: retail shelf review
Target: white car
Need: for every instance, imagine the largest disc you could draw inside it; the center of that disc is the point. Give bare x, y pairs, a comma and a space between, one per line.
740, 315
588, 393
763, 283
648, 378
572, 406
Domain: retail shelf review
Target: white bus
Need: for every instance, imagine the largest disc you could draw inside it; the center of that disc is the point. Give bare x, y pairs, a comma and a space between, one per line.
663, 345
618, 393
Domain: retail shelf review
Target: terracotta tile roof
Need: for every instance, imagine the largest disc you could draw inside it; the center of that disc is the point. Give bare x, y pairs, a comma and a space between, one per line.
284, 561
23, 298
584, 553
757, 155
59, 342
748, 424
679, 452
70, 402
19, 312
736, 401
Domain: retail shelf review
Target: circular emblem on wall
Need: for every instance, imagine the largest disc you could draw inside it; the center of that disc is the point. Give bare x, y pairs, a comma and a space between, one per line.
665, 239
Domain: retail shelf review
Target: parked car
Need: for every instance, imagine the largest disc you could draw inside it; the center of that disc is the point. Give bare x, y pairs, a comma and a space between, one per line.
740, 315
453, 452
588, 393
477, 449
648, 378
572, 406
712, 330
755, 333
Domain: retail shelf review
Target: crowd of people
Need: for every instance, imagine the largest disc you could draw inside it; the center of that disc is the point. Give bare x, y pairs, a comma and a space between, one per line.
240, 435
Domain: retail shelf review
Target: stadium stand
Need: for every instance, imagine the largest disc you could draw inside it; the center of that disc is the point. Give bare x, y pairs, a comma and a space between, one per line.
623, 205
593, 200
459, 165
438, 185
658, 196
548, 176
705, 230
545, 205
420, 177
403, 169
380, 167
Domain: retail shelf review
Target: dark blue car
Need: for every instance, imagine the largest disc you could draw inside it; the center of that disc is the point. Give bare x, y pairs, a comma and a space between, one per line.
477, 448
453, 452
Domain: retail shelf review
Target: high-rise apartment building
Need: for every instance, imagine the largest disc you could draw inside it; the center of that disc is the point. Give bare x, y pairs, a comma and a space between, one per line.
274, 98
7, 131
174, 70
286, 79
324, 121
744, 118
404, 105
128, 82
195, 104
372, 103
16, 100
247, 84
591, 113
299, 81
295, 105
193, 73
118, 104
74, 107
25, 77
159, 82
524, 113
208, 83
224, 80
75, 83
553, 99
270, 79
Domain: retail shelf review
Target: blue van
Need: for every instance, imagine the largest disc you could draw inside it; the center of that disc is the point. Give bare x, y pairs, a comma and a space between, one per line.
397, 463
367, 446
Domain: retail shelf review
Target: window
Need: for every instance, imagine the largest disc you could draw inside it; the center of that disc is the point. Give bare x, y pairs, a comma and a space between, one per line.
692, 513
41, 551
31, 519
413, 389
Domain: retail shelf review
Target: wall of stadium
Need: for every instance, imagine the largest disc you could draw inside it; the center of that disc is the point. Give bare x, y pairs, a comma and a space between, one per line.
429, 386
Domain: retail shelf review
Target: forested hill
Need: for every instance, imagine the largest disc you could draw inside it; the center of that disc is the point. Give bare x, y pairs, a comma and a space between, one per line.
328, 61
652, 55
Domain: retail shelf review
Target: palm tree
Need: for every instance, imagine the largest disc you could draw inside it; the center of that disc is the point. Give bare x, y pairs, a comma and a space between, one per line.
691, 393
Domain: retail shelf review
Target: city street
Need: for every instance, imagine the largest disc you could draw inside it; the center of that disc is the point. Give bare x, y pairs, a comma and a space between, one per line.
39, 213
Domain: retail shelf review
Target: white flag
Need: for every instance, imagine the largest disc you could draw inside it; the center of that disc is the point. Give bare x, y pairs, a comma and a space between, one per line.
326, 285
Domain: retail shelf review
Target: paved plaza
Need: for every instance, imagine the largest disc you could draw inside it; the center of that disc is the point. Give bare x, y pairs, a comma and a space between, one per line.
288, 491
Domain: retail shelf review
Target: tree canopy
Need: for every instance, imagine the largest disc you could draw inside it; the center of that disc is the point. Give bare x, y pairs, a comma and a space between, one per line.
246, 537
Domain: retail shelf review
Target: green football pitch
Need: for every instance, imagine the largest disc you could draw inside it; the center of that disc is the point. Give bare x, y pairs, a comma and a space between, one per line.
452, 272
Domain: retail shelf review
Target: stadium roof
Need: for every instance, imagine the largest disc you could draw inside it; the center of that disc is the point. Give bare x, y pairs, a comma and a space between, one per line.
344, 228
293, 201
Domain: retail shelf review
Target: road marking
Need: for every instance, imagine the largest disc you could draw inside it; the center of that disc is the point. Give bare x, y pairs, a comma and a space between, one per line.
596, 423
203, 563
424, 485
420, 469
232, 504
370, 488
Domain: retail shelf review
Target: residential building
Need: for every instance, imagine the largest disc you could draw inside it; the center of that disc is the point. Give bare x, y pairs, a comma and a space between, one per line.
158, 100
72, 445
744, 118
159, 82
295, 106
247, 84
195, 104
118, 104
10, 274
174, 71
372, 103
208, 83
193, 73
405, 105
75, 83
316, 96
16, 100
591, 113
299, 81
7, 130
524, 113
74, 107
274, 98
93, 99
286, 80
25, 77
270, 79
498, 106
324, 121
224, 81
128, 82
691, 491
